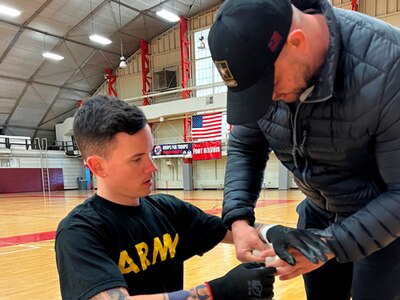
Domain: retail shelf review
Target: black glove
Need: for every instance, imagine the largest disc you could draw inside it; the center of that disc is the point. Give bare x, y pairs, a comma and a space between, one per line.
250, 281
307, 243
323, 233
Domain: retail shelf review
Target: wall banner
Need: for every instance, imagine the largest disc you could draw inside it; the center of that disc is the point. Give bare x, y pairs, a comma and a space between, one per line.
172, 150
207, 150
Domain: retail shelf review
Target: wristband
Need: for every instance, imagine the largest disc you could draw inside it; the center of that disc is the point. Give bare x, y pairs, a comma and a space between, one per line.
263, 233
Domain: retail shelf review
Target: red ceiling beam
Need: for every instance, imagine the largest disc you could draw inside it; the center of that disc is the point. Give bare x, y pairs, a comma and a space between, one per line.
185, 62
146, 79
111, 79
185, 65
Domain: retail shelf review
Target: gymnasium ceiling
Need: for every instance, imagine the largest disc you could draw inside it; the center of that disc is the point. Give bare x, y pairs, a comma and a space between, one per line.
36, 93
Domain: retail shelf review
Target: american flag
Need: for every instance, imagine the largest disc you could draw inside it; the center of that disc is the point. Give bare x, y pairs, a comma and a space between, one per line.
207, 126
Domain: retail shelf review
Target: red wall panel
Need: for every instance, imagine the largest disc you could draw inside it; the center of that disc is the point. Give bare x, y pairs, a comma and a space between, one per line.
56, 179
19, 180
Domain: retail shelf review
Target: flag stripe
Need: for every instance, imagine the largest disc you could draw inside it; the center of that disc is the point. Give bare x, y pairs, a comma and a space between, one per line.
213, 127
207, 126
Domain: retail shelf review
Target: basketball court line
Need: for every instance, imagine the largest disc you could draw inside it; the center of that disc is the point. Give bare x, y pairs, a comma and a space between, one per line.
24, 248
27, 238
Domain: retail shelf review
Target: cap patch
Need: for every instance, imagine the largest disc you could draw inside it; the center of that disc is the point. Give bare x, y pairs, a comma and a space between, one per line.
274, 41
226, 74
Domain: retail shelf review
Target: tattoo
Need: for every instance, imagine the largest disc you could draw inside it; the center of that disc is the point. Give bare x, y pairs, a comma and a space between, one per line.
200, 292
112, 294
203, 293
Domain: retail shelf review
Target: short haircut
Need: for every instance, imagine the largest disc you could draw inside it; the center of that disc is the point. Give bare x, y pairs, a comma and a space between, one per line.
100, 118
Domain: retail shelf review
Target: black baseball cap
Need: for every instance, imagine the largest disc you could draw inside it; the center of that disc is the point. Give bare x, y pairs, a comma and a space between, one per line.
245, 41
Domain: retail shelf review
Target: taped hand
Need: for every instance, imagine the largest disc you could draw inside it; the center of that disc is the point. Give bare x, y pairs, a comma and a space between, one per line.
307, 243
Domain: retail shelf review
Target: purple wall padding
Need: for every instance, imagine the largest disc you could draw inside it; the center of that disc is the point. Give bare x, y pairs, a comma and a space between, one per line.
20, 180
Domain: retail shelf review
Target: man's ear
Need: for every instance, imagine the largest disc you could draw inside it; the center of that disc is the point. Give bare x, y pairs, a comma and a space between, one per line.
297, 39
97, 165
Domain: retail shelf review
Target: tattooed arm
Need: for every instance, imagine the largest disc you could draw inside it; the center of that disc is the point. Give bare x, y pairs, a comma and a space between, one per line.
200, 292
245, 281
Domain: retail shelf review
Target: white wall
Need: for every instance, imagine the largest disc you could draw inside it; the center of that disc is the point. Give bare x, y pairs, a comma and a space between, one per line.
169, 173
168, 132
207, 174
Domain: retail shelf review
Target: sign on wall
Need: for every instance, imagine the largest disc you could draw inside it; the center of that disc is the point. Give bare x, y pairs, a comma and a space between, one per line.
176, 150
207, 150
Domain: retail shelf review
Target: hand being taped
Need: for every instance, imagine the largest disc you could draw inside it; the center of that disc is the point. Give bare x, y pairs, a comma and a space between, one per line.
307, 243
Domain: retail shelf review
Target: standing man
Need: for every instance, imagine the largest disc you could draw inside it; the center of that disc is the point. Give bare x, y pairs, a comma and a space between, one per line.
320, 86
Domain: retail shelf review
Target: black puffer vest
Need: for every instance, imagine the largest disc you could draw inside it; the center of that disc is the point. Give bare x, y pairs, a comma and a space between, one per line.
343, 142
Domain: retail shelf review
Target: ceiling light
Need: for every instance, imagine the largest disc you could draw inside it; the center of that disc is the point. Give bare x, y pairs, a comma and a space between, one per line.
169, 16
95, 37
201, 44
52, 56
49, 54
122, 63
5, 10
99, 39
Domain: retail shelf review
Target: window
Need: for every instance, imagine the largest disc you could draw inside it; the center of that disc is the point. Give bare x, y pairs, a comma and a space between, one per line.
206, 72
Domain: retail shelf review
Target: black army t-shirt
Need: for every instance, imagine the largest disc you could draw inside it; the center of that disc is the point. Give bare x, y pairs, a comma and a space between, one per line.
102, 245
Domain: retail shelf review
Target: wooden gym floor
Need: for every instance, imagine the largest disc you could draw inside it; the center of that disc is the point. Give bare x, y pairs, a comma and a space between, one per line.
27, 228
